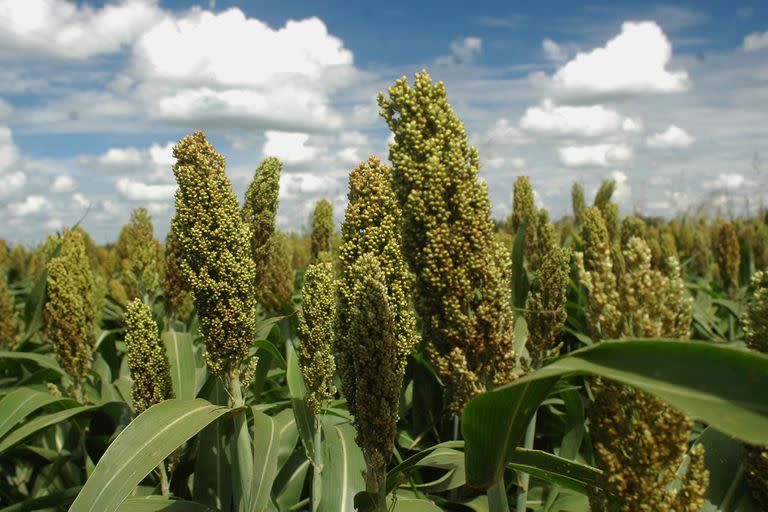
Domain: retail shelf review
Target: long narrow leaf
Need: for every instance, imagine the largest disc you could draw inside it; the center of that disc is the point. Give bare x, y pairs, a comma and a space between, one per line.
17, 404
266, 446
39, 423
149, 439
181, 358
712, 383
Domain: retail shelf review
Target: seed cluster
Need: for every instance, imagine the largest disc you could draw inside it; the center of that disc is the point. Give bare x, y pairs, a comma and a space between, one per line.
140, 256
70, 310
9, 321
276, 285
316, 322
728, 256
260, 209
147, 360
376, 329
322, 230
178, 297
462, 272
216, 245
755, 322
639, 441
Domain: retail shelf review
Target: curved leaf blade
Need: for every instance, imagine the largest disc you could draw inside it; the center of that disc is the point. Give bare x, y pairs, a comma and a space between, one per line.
16, 405
149, 439
39, 423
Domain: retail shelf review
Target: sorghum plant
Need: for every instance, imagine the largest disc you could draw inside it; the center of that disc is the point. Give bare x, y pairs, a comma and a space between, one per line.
578, 203
9, 321
260, 209
728, 257
140, 256
276, 286
178, 297
462, 272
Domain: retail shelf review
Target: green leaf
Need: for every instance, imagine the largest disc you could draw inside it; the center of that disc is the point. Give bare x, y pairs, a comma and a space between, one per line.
212, 469
343, 467
414, 505
146, 442
554, 469
290, 493
181, 358
55, 499
399, 473
727, 490
160, 504
266, 445
711, 383
304, 418
16, 405
39, 423
45, 361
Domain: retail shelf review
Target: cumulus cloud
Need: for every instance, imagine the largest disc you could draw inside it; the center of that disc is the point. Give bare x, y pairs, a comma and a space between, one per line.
598, 155
302, 184
63, 29
290, 147
155, 161
634, 62
12, 178
553, 51
463, 51
191, 67
672, 137
586, 121
31, 205
138, 191
63, 183
755, 41
726, 181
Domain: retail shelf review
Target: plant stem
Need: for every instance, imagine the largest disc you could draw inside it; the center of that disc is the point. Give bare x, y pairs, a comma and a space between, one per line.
497, 497
524, 478
317, 466
165, 485
242, 455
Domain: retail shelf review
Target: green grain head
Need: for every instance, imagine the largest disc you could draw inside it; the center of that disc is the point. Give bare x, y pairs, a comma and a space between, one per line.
217, 262
147, 360
276, 286
140, 256
9, 320
316, 323
260, 209
728, 257
322, 230
578, 203
178, 296
462, 272
70, 312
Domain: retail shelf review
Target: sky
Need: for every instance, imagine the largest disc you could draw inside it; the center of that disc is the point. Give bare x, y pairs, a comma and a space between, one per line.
670, 100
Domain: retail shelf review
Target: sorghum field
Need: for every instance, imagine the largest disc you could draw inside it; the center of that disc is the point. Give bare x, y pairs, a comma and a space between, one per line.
423, 358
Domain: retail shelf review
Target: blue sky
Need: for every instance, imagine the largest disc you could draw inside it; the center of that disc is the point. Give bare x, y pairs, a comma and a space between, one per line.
668, 99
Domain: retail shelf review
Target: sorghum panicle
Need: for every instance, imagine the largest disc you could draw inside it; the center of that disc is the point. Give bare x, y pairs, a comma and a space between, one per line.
578, 203
178, 297
316, 323
322, 230
276, 286
728, 256
140, 255
462, 272
147, 360
9, 321
215, 243
260, 209
70, 310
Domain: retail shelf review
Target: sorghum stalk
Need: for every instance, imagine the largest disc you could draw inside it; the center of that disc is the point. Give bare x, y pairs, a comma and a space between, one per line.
70, 310
316, 321
462, 272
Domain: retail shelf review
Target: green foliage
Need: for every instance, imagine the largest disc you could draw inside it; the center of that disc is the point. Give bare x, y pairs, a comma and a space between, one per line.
9, 321
728, 257
462, 273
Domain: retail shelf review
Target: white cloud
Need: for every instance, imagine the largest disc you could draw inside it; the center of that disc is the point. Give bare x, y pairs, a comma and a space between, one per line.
63, 183
12, 182
290, 147
632, 125
622, 194
5, 109
463, 51
598, 155
726, 181
65, 30
633, 62
672, 137
9, 153
192, 68
156, 160
80, 199
503, 131
755, 41
590, 121
350, 156
305, 184
500, 162
138, 191
30, 206
553, 51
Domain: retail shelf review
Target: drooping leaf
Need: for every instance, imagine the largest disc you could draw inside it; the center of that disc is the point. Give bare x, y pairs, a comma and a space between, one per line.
343, 466
181, 359
16, 405
266, 446
39, 423
149, 439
